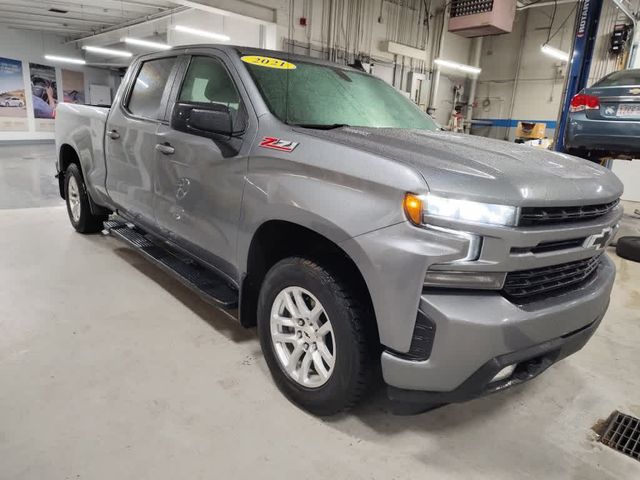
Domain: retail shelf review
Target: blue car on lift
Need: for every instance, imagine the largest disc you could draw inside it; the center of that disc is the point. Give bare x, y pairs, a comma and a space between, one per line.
604, 119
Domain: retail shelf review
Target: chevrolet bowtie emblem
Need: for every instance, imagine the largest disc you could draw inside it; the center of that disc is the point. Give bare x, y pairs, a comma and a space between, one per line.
634, 91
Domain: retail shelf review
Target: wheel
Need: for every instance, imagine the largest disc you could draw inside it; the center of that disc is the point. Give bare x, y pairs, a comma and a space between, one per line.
77, 199
629, 248
6, 104
20, 104
313, 333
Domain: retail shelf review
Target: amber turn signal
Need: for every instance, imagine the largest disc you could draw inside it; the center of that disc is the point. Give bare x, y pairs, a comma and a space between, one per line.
413, 208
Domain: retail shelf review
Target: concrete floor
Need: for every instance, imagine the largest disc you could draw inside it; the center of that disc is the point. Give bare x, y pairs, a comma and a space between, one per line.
109, 369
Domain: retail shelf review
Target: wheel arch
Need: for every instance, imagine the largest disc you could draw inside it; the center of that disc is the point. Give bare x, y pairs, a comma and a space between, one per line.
67, 155
275, 240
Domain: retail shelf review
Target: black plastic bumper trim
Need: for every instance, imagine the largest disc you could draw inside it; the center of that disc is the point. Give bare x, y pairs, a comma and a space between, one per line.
531, 362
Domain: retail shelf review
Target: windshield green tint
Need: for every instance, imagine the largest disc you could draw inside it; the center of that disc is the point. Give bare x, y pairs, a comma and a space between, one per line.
320, 95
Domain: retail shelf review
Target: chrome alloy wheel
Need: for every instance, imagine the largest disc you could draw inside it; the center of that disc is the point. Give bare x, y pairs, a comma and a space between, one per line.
302, 337
74, 199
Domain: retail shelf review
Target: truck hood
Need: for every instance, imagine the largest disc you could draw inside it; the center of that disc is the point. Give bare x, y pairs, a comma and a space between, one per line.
487, 170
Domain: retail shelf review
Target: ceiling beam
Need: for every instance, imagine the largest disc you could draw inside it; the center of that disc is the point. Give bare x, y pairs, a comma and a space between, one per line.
40, 28
113, 34
125, 6
95, 13
53, 19
239, 8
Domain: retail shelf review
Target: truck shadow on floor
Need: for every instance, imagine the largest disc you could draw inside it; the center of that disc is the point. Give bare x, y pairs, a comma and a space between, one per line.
222, 321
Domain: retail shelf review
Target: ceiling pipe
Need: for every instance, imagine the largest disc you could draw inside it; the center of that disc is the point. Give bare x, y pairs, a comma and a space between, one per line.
544, 4
512, 103
475, 61
435, 68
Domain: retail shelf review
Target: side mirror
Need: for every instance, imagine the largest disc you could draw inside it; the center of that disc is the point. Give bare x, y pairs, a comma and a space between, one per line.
206, 120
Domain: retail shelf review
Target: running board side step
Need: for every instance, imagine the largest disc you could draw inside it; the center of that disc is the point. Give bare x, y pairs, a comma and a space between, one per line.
208, 284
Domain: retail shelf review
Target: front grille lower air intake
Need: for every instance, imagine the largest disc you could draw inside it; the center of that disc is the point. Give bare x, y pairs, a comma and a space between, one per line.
532, 216
525, 285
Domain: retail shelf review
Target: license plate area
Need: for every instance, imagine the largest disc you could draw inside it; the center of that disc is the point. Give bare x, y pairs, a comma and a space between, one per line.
628, 110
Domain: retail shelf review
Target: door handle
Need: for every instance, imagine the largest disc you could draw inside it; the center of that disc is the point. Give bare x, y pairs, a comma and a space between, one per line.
165, 148
113, 134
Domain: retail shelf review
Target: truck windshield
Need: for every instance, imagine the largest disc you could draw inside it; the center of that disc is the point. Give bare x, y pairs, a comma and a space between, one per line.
321, 96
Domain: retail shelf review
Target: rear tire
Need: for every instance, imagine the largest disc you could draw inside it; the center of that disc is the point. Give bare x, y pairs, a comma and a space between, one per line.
324, 373
75, 193
629, 248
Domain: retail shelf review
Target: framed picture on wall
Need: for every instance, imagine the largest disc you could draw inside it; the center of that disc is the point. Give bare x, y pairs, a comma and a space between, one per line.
13, 104
73, 86
44, 92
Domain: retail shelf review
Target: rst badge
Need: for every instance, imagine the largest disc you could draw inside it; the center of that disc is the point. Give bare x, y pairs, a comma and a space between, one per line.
599, 240
278, 144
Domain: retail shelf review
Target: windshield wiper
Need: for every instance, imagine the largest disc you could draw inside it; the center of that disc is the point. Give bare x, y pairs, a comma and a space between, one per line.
320, 126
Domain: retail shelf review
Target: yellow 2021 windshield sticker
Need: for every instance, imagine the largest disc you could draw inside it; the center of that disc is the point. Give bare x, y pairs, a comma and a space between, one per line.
268, 62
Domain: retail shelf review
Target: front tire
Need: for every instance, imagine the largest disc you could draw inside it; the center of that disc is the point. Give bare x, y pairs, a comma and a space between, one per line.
314, 335
78, 208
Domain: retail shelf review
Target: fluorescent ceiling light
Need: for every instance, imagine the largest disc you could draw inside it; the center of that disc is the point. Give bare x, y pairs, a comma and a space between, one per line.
146, 43
56, 58
108, 51
458, 66
554, 52
202, 33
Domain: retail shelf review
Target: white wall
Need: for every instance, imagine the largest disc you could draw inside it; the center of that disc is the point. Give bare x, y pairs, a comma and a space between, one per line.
541, 78
363, 33
241, 31
31, 46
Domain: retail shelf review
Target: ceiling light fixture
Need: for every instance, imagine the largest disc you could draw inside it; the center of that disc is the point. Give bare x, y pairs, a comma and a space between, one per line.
56, 58
202, 33
458, 66
554, 52
108, 51
146, 43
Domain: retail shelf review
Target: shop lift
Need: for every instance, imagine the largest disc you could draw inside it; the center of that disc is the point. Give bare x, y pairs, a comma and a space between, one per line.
584, 41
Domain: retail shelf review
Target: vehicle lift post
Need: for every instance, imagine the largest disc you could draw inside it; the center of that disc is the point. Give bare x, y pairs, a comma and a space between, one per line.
584, 41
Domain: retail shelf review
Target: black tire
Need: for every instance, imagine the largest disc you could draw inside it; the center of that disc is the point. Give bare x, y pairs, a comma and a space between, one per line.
629, 248
355, 361
86, 222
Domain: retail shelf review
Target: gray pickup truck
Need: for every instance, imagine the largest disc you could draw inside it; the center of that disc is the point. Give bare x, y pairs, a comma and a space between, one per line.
316, 202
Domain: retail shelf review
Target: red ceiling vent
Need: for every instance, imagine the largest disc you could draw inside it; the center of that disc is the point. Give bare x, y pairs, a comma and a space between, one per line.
477, 18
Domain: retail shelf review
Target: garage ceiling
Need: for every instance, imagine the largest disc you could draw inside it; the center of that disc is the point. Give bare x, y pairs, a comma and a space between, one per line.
76, 19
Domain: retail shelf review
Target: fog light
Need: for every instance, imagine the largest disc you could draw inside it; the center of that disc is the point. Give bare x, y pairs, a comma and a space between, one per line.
503, 374
476, 280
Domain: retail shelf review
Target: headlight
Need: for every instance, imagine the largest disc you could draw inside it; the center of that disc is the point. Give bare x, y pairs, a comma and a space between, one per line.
419, 207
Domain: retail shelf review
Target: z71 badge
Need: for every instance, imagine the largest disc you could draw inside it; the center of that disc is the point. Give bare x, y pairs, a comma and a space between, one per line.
278, 144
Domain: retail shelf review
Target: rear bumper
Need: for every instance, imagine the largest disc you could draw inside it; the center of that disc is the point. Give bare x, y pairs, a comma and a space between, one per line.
602, 135
477, 334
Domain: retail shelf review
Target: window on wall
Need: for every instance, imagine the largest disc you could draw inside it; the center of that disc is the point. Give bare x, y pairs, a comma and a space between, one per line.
147, 91
208, 82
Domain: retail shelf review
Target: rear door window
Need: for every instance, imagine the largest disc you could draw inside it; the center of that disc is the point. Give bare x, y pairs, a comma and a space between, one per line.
147, 92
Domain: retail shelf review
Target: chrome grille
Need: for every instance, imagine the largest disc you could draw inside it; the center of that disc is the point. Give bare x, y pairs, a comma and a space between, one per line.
531, 216
526, 284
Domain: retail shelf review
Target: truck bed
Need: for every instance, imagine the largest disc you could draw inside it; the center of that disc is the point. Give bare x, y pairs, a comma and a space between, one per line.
82, 127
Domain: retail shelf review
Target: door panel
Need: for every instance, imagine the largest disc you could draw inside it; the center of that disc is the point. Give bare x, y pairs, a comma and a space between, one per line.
199, 180
131, 138
198, 196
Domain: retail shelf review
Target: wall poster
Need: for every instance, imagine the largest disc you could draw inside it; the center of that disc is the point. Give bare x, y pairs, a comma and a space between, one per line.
44, 92
72, 86
13, 104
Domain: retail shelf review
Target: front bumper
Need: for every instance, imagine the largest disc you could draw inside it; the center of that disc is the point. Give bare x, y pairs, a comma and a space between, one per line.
530, 362
478, 336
